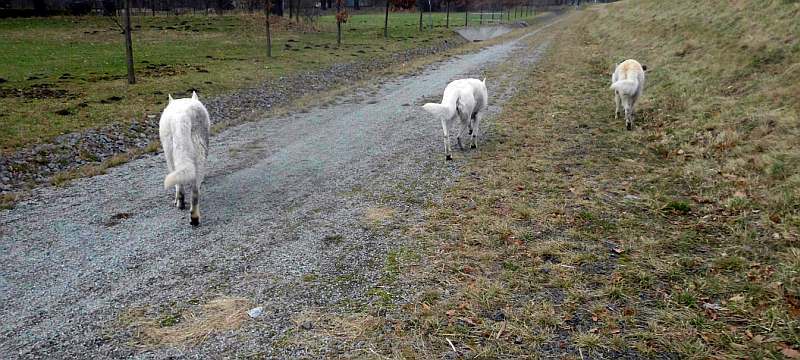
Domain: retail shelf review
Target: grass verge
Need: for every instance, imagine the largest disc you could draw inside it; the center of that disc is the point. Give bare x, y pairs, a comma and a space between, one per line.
570, 237
66, 74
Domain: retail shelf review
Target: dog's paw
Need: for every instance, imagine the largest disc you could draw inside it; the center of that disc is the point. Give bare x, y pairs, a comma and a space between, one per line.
195, 221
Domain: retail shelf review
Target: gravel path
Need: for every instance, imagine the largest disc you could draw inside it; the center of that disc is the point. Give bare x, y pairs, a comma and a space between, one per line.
286, 224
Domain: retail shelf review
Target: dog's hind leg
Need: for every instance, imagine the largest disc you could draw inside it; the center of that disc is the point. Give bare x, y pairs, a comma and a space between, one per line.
446, 141
628, 118
475, 129
195, 211
180, 198
464, 125
617, 102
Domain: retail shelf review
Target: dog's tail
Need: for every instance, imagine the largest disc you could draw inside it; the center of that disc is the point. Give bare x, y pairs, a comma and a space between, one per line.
626, 87
441, 111
183, 175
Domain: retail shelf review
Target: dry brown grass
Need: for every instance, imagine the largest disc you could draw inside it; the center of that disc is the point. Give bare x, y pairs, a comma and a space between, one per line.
379, 215
190, 327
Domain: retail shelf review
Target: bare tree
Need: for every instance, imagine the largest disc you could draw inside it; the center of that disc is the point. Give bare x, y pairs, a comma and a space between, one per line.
267, 13
466, 13
447, 23
126, 30
129, 43
341, 17
386, 21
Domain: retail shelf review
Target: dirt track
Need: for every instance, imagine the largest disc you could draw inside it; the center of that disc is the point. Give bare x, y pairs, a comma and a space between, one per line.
299, 212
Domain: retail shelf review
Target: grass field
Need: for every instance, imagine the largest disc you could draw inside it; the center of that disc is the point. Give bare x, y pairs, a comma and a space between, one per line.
570, 237
67, 74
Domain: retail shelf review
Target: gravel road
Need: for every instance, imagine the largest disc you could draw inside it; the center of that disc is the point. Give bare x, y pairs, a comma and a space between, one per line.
287, 222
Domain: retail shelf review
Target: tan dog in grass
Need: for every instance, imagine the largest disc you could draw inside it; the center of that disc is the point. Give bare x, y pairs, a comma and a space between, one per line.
627, 82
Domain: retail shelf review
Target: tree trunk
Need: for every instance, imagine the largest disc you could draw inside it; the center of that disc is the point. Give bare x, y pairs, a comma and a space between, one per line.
356, 6
297, 11
267, 12
386, 21
129, 43
338, 24
447, 22
420, 19
466, 13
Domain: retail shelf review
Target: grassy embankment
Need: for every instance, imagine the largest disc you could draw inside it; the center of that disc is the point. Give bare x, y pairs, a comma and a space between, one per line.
569, 236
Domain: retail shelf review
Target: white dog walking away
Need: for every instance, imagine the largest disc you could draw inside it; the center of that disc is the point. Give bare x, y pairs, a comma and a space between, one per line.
627, 83
465, 99
184, 130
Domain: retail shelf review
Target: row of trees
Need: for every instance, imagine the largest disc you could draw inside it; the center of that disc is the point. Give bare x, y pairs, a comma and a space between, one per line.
83, 7
269, 8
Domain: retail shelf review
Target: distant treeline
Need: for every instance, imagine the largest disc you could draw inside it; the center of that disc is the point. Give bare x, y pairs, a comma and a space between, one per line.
29, 8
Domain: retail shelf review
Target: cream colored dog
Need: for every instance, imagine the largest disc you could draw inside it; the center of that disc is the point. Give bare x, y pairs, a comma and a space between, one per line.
184, 130
627, 82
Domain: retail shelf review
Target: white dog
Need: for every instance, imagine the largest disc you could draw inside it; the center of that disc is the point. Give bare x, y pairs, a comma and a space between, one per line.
465, 99
184, 129
627, 82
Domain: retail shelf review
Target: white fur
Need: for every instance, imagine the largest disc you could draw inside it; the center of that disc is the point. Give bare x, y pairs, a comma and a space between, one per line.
627, 83
184, 129
465, 99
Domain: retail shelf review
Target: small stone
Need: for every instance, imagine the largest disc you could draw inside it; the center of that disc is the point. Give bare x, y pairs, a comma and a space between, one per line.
255, 312
680, 151
776, 236
498, 315
307, 325
631, 197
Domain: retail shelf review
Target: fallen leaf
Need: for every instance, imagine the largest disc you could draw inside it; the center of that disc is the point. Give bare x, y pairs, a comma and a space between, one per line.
790, 353
737, 298
713, 306
618, 250
468, 321
792, 302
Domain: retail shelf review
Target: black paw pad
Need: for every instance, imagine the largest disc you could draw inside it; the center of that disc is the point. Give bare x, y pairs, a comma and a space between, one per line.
195, 221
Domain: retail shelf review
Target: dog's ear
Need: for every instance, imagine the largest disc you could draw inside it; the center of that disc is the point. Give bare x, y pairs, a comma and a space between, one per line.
170, 97
644, 68
194, 95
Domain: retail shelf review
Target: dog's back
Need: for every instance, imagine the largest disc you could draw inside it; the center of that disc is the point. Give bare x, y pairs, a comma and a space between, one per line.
184, 128
628, 78
478, 90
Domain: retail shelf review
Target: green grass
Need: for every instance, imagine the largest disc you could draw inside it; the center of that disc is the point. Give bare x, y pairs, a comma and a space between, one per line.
84, 57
